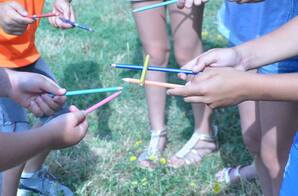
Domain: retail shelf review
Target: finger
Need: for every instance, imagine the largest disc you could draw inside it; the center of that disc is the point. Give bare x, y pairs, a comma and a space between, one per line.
73, 108
188, 3
205, 60
78, 117
81, 129
191, 63
49, 86
197, 2
195, 99
44, 107
60, 100
181, 4
181, 91
182, 76
18, 8
34, 108
72, 15
50, 102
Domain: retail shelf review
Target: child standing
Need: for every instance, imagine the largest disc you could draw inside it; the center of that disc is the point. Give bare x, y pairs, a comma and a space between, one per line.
186, 25
18, 52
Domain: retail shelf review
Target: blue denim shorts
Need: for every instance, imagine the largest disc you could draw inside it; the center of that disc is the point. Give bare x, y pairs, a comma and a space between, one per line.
290, 180
13, 117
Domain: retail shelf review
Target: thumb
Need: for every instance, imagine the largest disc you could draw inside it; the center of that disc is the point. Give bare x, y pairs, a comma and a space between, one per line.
78, 116
19, 8
204, 60
51, 87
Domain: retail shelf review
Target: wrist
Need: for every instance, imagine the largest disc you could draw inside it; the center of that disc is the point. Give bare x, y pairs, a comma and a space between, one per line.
243, 61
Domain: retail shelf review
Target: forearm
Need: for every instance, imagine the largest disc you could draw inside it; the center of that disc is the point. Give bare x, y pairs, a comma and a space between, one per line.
16, 148
4, 82
278, 45
282, 87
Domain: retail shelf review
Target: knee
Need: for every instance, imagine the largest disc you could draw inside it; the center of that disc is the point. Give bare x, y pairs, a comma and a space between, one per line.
159, 55
272, 164
185, 52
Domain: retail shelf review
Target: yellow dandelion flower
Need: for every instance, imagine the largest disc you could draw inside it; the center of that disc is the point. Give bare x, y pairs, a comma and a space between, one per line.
193, 184
152, 158
133, 158
216, 188
139, 142
163, 161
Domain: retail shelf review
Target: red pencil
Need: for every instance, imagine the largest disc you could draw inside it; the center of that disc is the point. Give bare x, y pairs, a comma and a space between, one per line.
43, 15
103, 102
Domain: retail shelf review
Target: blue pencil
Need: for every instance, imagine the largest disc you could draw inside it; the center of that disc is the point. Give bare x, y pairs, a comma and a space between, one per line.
74, 24
153, 68
154, 6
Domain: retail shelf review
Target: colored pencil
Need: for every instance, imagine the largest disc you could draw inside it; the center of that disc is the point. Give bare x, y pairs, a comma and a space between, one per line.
145, 68
103, 102
92, 91
153, 68
43, 15
152, 83
154, 6
75, 24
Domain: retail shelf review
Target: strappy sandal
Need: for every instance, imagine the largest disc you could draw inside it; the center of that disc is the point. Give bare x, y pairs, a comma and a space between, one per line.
225, 175
190, 154
153, 153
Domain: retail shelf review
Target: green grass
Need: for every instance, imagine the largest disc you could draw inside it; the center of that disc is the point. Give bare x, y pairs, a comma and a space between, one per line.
101, 164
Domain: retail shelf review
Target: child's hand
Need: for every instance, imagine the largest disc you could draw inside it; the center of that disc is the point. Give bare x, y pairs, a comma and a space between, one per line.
31, 91
13, 18
221, 57
68, 129
215, 87
63, 9
190, 3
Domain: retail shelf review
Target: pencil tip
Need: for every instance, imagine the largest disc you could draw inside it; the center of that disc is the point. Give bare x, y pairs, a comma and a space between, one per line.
125, 79
113, 65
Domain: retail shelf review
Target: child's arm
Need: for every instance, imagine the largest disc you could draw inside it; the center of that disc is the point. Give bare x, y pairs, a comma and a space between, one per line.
31, 91
278, 45
64, 9
61, 132
226, 86
13, 18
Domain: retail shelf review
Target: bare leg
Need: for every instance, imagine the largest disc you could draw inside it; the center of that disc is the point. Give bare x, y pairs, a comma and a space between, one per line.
251, 132
152, 29
186, 25
11, 177
279, 124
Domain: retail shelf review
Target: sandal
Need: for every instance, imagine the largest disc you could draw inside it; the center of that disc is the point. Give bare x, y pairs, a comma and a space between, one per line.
190, 153
233, 176
153, 153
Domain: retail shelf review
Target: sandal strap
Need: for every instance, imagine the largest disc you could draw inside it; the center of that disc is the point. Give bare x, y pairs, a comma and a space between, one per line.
152, 149
192, 143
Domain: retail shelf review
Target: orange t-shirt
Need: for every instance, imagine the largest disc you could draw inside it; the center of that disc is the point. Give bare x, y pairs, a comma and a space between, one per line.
20, 51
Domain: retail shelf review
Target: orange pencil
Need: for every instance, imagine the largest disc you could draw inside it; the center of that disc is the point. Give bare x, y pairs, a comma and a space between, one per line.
152, 83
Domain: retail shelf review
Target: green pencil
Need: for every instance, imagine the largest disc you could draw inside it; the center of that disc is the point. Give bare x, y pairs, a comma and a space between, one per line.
92, 91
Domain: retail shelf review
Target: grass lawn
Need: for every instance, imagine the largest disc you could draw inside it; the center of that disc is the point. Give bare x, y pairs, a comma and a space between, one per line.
103, 164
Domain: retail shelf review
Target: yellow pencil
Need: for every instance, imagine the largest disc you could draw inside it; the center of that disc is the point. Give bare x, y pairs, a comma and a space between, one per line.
152, 83
145, 68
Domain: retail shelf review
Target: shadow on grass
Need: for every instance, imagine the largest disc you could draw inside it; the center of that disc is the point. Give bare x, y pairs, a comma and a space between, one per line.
85, 75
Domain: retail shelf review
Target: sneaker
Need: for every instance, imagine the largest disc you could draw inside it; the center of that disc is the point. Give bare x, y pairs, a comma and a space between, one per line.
42, 183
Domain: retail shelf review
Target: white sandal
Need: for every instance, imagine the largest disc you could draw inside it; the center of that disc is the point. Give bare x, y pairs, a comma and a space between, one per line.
190, 154
152, 153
